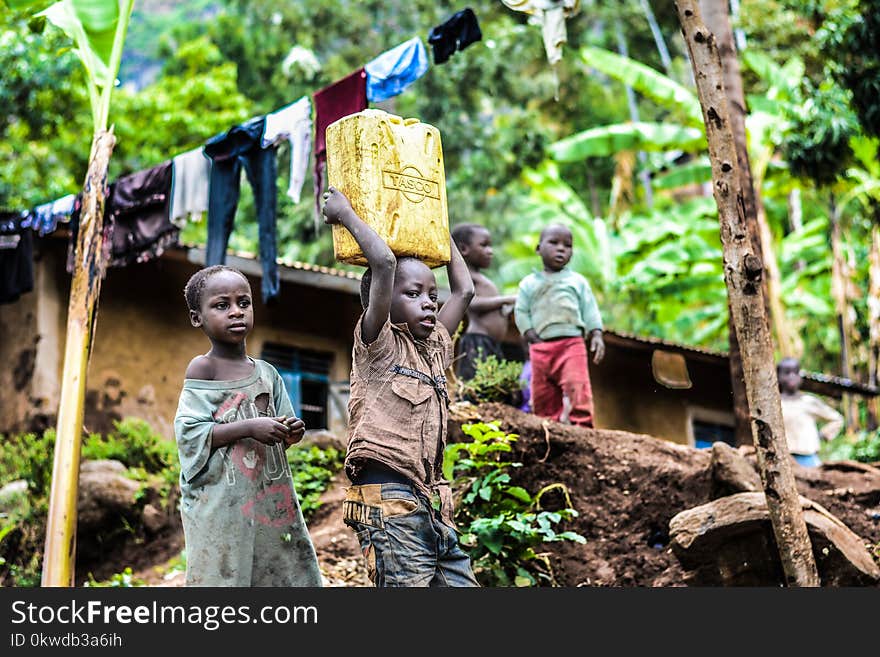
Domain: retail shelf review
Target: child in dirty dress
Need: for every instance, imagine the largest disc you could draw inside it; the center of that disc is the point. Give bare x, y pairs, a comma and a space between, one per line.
241, 517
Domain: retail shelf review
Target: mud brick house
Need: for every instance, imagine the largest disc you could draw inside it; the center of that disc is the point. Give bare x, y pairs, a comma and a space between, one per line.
143, 343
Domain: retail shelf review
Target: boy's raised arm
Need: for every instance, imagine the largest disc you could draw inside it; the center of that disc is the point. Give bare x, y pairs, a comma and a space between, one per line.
338, 210
461, 287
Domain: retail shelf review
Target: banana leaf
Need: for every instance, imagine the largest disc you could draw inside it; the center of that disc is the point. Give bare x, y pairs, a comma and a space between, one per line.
647, 81
610, 139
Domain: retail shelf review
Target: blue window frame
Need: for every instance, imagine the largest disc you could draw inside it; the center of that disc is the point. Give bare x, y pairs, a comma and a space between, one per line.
306, 375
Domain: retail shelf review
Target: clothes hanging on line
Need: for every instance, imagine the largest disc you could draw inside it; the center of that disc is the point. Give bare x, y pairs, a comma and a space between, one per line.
550, 15
16, 262
45, 218
12, 223
190, 175
344, 97
394, 70
138, 206
136, 223
456, 33
241, 146
294, 123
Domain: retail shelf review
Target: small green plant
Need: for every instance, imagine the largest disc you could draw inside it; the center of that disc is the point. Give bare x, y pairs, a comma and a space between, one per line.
495, 380
125, 579
312, 469
502, 523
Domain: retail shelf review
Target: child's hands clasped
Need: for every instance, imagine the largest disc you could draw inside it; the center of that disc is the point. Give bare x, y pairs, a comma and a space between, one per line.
269, 430
296, 429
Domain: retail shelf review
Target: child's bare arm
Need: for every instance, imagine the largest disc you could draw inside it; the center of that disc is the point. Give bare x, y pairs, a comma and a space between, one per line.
338, 210
482, 305
461, 287
267, 430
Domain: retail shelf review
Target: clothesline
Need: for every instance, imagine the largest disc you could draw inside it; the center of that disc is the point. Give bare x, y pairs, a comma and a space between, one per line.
146, 210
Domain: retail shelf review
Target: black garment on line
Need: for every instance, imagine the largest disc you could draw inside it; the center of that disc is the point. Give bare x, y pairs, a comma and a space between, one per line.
457, 33
241, 147
139, 205
137, 227
17, 268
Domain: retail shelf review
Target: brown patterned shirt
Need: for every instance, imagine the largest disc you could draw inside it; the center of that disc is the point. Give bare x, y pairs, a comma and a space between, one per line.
398, 406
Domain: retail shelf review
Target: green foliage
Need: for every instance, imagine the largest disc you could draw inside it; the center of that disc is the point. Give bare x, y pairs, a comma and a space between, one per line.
312, 469
195, 99
863, 447
502, 523
97, 29
495, 380
148, 456
849, 37
817, 146
658, 87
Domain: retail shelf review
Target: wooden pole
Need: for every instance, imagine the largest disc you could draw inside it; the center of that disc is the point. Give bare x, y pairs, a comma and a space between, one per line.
743, 274
60, 549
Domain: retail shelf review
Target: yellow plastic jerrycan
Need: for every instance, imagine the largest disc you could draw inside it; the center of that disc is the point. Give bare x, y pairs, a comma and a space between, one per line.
391, 170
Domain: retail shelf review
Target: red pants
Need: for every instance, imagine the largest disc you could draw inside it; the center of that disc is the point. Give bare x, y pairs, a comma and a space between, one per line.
560, 366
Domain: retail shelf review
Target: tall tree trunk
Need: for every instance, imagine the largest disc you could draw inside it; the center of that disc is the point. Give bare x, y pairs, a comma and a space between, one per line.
839, 285
743, 272
715, 15
90, 263
874, 326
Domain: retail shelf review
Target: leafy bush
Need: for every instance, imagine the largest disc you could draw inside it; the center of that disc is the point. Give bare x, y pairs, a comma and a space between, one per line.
148, 455
864, 447
502, 524
312, 469
495, 380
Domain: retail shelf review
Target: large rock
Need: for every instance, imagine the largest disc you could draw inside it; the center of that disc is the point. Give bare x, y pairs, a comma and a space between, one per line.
730, 542
105, 493
732, 472
323, 439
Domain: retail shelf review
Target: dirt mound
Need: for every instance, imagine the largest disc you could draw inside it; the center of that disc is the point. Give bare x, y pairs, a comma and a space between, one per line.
626, 487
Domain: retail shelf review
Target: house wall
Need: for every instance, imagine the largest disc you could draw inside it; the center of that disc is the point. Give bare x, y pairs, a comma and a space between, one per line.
627, 397
143, 340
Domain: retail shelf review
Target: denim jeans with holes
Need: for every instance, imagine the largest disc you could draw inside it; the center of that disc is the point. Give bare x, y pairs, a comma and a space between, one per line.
402, 538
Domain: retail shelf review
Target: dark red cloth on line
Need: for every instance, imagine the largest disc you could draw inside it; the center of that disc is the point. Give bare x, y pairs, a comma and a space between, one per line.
344, 97
560, 366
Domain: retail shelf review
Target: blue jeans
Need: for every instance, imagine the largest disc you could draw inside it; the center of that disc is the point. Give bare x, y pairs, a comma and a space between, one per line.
229, 152
402, 538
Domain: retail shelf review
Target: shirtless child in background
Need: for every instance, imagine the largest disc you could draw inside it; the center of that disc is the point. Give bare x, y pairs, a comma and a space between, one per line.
488, 311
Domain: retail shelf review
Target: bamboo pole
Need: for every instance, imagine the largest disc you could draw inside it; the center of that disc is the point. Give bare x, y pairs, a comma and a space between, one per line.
743, 273
60, 548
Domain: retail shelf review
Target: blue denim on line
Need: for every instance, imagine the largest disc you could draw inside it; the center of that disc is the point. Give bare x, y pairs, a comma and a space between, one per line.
241, 146
413, 550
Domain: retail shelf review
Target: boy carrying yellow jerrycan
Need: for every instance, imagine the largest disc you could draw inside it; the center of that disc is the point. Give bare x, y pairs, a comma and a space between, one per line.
391, 169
